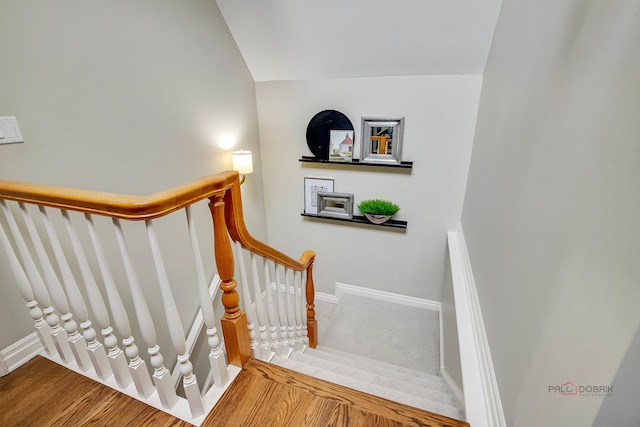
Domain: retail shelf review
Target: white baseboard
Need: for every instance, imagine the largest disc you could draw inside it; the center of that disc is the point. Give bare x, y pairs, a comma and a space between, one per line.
19, 353
342, 288
453, 388
483, 406
328, 298
3, 368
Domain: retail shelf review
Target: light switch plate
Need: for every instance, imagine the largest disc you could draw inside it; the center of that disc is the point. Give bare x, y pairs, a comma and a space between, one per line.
9, 131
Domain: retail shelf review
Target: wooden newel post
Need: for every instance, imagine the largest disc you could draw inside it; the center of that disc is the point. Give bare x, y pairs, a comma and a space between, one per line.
312, 327
234, 322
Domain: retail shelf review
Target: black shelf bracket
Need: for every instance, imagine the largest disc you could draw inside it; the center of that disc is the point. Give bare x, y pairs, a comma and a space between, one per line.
356, 163
360, 219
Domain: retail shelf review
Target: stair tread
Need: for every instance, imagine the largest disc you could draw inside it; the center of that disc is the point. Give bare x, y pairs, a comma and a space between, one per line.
318, 360
367, 387
380, 364
381, 368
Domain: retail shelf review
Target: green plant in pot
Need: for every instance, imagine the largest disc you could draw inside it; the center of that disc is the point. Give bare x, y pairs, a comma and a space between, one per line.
378, 211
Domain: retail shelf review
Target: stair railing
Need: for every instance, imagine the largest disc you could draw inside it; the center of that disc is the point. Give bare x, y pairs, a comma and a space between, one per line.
283, 306
55, 295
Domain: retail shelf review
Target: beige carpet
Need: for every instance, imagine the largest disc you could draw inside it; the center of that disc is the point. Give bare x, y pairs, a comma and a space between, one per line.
392, 333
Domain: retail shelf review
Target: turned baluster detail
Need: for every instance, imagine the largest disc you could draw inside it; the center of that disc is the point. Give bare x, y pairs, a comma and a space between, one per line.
290, 306
234, 322
54, 287
78, 343
298, 308
115, 363
282, 312
271, 309
216, 354
265, 353
24, 287
245, 297
312, 327
161, 375
137, 370
189, 380
59, 335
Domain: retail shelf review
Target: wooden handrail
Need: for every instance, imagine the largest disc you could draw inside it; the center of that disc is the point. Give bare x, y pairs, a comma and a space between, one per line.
239, 233
223, 191
137, 208
120, 206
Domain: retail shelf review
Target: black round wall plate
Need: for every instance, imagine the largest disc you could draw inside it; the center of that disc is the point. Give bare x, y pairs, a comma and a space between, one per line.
318, 131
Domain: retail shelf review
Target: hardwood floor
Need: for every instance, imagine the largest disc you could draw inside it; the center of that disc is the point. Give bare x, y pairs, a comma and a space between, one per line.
43, 393
287, 398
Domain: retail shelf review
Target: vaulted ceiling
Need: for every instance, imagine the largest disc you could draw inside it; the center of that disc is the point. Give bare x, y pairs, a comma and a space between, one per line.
303, 39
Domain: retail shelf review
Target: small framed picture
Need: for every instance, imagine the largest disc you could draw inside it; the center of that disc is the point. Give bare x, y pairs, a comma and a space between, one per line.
340, 145
311, 188
381, 140
335, 205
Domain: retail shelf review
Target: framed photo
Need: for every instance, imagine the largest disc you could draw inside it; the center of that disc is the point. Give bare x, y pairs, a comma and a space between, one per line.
340, 145
381, 140
311, 188
335, 205
319, 133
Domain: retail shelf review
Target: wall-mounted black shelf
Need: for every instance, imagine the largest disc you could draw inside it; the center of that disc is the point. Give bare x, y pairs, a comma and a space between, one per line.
359, 219
356, 163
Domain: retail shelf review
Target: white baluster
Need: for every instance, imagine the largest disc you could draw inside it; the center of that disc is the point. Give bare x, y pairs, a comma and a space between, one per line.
115, 363
189, 381
78, 343
297, 304
271, 308
283, 348
120, 320
22, 281
246, 299
303, 307
290, 300
216, 355
137, 366
265, 352
55, 289
57, 293
60, 337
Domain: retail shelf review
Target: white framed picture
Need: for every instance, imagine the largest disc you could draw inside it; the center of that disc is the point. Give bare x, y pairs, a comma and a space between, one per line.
311, 188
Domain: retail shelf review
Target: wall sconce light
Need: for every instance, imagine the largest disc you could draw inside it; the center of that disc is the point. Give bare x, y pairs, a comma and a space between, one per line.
242, 161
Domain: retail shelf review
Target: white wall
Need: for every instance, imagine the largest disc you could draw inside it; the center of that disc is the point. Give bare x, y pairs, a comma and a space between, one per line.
440, 114
131, 97
551, 210
621, 409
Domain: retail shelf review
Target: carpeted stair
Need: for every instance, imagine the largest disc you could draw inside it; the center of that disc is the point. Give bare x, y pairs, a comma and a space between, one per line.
406, 386
400, 384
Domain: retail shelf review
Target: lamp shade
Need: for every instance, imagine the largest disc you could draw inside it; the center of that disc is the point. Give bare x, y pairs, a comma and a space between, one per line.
242, 161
